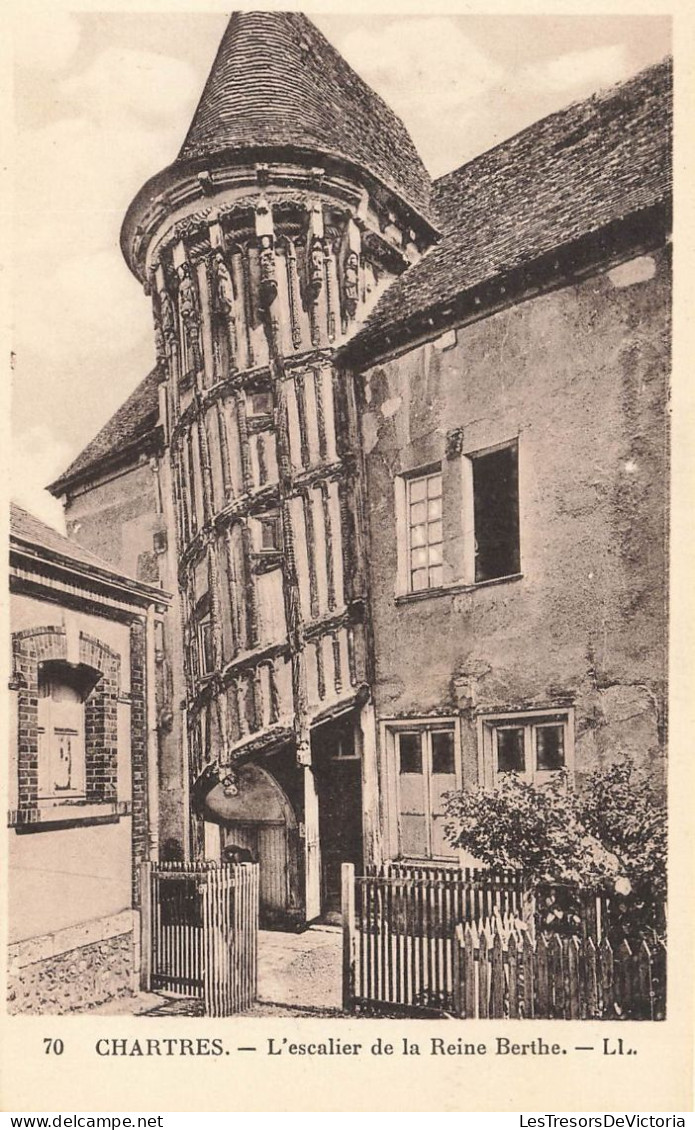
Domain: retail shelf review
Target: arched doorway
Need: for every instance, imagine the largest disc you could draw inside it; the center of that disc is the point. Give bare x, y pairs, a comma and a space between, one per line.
260, 819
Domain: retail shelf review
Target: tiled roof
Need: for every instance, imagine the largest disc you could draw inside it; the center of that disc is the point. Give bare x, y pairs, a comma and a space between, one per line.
277, 82
566, 176
134, 420
31, 531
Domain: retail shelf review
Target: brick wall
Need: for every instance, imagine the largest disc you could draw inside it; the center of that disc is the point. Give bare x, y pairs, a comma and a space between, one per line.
138, 750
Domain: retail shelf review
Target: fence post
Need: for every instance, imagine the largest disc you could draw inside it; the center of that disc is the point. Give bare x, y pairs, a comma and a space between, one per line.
145, 926
349, 939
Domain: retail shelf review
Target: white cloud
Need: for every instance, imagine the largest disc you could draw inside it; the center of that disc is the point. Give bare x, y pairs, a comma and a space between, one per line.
38, 458
151, 88
422, 57
582, 72
430, 73
44, 41
431, 58
87, 310
123, 119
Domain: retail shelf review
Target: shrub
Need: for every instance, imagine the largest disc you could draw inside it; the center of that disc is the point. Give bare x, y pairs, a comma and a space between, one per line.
609, 837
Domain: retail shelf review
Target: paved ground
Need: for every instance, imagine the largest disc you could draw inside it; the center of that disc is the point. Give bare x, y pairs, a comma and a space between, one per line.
301, 969
298, 975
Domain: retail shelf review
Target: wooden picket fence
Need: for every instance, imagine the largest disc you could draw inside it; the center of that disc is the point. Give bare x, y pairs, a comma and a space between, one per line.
199, 931
500, 972
399, 926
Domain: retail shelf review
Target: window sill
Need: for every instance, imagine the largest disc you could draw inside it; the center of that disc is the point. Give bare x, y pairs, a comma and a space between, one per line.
453, 589
66, 815
440, 861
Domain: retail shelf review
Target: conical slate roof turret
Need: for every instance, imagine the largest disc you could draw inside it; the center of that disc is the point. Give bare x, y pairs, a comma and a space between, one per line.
278, 83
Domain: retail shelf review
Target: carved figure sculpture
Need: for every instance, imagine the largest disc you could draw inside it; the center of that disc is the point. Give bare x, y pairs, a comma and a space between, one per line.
166, 316
351, 284
188, 299
190, 316
268, 284
226, 297
316, 265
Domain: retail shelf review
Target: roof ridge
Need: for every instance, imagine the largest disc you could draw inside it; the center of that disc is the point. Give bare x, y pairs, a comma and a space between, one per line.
604, 94
562, 178
123, 427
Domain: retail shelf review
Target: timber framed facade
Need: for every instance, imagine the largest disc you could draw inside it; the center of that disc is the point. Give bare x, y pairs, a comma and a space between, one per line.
335, 335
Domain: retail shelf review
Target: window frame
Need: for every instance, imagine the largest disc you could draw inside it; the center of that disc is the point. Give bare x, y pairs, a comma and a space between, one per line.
410, 526
458, 522
490, 722
403, 485
205, 645
59, 717
469, 502
391, 731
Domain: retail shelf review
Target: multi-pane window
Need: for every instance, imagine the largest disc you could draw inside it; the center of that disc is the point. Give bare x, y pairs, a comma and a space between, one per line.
60, 733
425, 533
482, 522
426, 766
532, 746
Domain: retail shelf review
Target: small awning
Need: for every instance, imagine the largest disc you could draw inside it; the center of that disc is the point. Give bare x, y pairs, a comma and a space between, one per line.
260, 800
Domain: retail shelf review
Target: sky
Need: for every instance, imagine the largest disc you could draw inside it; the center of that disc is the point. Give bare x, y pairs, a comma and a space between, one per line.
102, 102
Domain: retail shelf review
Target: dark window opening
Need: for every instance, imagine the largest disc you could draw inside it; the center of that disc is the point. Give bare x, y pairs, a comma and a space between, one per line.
411, 753
270, 532
510, 749
443, 752
260, 404
496, 514
550, 747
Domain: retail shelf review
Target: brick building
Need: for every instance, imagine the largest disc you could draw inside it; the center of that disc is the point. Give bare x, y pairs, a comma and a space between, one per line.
83, 768
402, 459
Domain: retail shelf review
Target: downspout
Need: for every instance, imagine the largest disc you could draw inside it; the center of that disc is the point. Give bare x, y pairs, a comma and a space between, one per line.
152, 736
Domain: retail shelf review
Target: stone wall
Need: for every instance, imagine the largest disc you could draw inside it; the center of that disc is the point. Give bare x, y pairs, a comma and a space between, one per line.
579, 378
72, 981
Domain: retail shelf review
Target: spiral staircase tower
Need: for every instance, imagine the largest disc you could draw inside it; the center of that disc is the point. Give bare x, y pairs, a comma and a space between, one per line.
296, 198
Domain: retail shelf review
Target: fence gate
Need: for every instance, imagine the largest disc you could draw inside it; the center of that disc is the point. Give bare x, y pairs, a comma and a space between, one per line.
399, 924
199, 932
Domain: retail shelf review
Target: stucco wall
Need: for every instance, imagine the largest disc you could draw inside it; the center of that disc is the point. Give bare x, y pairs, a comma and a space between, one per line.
66, 877
580, 376
128, 520
116, 518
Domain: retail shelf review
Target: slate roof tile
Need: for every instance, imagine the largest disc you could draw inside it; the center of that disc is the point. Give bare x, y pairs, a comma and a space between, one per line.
568, 175
25, 528
134, 420
277, 81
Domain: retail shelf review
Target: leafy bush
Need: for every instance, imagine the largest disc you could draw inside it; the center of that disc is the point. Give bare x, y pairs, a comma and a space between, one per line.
609, 837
